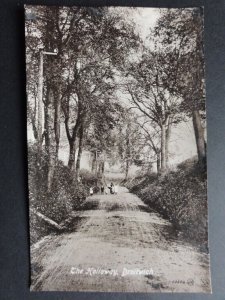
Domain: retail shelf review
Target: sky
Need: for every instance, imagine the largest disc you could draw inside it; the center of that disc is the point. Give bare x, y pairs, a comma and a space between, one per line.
145, 18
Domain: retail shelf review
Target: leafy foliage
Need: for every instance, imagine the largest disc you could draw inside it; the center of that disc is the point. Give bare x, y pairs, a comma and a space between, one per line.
88, 178
179, 196
181, 33
65, 195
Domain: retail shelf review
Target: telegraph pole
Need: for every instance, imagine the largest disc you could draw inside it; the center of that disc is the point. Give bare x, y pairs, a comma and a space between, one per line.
40, 98
40, 102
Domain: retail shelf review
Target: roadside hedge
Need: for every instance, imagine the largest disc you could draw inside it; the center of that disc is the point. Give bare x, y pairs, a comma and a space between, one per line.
181, 197
65, 196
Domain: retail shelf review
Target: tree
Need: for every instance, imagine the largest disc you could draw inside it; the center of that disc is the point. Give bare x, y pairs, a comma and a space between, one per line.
101, 135
148, 94
92, 68
129, 144
151, 138
42, 39
33, 63
185, 29
91, 43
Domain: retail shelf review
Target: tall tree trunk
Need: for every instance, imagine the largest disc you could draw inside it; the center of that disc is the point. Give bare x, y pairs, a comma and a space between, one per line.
80, 149
168, 134
199, 137
158, 162
72, 137
40, 105
94, 163
57, 120
46, 126
32, 115
127, 169
72, 141
163, 148
101, 168
35, 132
50, 141
128, 154
71, 161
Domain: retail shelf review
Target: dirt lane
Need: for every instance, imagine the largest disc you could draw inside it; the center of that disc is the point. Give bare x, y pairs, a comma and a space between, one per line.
114, 234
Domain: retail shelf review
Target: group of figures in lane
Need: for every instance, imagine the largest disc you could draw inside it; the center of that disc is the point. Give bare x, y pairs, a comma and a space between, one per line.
106, 189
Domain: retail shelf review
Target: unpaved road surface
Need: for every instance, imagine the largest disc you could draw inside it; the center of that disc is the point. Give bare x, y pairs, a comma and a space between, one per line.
112, 237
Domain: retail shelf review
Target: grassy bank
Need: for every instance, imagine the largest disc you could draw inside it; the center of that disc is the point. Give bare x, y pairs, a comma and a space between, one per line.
180, 196
65, 196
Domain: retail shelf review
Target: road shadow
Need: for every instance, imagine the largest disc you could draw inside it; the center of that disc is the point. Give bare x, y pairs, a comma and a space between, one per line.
73, 223
88, 205
145, 208
114, 207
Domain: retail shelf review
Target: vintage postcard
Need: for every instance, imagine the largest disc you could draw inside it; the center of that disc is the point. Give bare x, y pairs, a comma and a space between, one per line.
116, 128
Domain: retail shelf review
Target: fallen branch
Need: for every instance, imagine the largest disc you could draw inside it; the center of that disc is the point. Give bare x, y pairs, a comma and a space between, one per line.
46, 219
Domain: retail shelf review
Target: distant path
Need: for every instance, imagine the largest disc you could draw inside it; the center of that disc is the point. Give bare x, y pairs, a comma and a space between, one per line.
116, 232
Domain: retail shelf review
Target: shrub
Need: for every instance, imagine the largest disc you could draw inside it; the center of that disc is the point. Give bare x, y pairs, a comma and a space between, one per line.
65, 194
88, 178
179, 196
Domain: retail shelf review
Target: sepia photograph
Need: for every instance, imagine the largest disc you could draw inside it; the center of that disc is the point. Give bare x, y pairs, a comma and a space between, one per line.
117, 140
